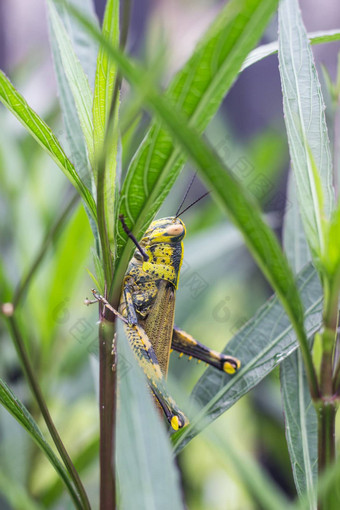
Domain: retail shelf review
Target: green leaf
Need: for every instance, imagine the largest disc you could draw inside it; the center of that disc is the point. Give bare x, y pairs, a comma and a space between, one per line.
20, 413
263, 51
306, 125
81, 44
301, 425
44, 136
300, 416
65, 271
197, 90
76, 77
148, 477
85, 47
262, 344
106, 75
294, 239
328, 488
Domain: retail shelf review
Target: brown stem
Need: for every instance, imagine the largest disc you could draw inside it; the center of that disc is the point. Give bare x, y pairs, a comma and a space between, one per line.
107, 413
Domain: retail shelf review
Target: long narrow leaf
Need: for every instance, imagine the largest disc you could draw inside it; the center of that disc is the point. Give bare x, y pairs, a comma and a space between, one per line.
76, 77
75, 137
300, 416
23, 417
86, 50
44, 136
85, 47
306, 125
263, 51
262, 344
148, 477
106, 75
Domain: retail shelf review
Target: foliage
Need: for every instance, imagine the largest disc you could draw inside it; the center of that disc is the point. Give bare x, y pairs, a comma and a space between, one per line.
296, 328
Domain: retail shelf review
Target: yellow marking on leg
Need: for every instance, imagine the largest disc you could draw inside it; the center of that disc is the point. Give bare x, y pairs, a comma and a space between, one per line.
229, 368
175, 422
181, 354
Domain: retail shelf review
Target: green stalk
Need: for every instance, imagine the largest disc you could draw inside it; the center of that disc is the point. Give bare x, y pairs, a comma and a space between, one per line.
83, 502
328, 372
107, 336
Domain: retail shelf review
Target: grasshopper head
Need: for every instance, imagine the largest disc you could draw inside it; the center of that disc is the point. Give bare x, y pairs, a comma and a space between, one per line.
166, 230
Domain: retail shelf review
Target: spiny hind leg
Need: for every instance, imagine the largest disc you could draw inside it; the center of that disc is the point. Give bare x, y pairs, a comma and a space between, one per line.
147, 359
186, 344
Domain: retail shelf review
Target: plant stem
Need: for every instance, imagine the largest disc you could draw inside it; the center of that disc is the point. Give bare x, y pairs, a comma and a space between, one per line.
327, 406
326, 412
326, 371
107, 412
34, 385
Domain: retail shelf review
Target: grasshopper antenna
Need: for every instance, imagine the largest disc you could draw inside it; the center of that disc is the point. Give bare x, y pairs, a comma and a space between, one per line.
186, 194
132, 237
200, 198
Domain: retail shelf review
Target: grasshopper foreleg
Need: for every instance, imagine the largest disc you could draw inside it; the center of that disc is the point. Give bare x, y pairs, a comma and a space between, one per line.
184, 343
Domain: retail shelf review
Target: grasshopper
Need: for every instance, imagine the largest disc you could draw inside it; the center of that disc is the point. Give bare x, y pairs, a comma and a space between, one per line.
148, 305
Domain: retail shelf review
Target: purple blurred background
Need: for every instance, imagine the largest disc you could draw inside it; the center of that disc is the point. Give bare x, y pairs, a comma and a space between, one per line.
255, 102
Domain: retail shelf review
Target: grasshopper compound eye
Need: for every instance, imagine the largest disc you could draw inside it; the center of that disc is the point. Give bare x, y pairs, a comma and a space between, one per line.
175, 230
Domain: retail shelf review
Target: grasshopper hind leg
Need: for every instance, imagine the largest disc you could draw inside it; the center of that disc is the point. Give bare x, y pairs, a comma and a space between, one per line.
186, 344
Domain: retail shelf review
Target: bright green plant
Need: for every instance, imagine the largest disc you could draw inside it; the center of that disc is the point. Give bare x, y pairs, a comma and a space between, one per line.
306, 278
